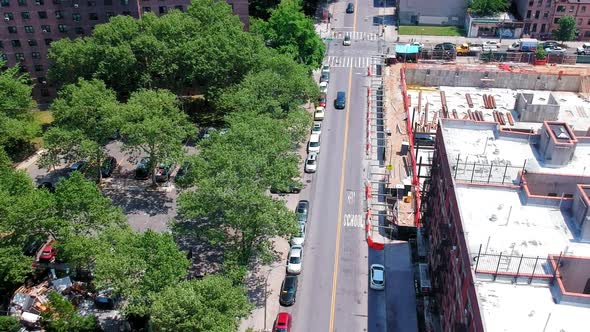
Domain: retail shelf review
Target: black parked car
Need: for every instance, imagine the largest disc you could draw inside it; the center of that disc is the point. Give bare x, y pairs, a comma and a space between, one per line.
288, 291
325, 77
302, 211
445, 47
108, 167
350, 8
141, 171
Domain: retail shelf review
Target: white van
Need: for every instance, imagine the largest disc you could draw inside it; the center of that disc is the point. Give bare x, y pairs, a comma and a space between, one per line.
314, 144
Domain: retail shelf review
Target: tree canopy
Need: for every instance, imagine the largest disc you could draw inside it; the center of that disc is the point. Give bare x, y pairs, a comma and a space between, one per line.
566, 30
207, 305
291, 32
488, 7
61, 316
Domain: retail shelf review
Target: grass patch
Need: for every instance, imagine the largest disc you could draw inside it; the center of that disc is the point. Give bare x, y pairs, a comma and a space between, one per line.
43, 117
420, 30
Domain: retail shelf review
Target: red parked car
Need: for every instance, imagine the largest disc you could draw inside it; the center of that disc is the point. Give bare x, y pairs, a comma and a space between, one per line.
283, 322
48, 253
322, 100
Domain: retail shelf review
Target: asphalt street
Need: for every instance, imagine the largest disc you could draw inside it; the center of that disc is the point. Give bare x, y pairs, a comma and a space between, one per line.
333, 292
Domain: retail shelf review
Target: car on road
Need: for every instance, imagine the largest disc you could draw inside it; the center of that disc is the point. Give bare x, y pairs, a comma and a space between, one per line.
48, 253
314, 144
108, 167
347, 41
316, 128
319, 113
164, 170
340, 101
325, 77
299, 238
325, 69
322, 100
584, 49
79, 166
142, 171
302, 211
324, 87
311, 163
288, 291
283, 322
350, 8
295, 260
293, 188
444, 47
491, 43
377, 277
555, 50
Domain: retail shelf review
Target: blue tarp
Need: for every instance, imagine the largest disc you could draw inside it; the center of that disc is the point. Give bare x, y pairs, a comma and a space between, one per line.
406, 49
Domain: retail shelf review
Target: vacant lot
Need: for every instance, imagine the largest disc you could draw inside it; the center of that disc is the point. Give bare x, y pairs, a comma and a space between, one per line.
430, 30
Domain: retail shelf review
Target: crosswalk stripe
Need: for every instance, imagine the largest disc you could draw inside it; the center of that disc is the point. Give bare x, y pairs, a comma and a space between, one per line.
356, 35
348, 61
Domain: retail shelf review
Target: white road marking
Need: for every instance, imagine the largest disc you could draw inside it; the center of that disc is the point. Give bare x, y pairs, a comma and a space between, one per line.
353, 220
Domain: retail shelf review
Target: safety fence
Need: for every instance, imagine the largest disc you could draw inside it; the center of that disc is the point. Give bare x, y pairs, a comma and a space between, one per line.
368, 224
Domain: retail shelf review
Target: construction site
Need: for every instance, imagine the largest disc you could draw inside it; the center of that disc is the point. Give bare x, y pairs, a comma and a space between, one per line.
483, 169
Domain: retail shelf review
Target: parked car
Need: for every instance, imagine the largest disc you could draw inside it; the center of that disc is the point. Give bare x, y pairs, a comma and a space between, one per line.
295, 260
311, 163
78, 166
108, 167
377, 276
319, 113
142, 171
299, 238
420, 45
350, 8
324, 87
302, 211
550, 44
555, 50
322, 100
164, 170
444, 47
491, 43
283, 322
325, 77
316, 128
347, 41
288, 291
325, 69
314, 144
293, 188
48, 253
584, 49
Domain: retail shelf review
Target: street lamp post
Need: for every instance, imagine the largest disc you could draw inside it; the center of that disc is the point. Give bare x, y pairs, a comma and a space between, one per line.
274, 266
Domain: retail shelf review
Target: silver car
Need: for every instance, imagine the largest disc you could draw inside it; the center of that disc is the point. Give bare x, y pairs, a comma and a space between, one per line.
377, 277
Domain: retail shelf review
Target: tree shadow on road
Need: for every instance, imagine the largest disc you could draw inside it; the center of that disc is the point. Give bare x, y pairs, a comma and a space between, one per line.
151, 203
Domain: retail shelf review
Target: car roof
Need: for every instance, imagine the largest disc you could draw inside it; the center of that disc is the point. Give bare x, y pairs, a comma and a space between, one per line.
312, 156
296, 251
314, 137
317, 123
283, 318
377, 271
290, 280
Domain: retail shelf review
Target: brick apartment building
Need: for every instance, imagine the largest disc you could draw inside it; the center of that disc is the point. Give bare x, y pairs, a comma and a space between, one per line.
29, 26
508, 223
541, 16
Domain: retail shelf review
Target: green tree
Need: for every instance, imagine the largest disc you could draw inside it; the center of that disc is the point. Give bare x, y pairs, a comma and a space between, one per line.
207, 305
61, 316
292, 33
85, 116
14, 266
153, 124
566, 30
17, 125
488, 7
262, 8
9, 324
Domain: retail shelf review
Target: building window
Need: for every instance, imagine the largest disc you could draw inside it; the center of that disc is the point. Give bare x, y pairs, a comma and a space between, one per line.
542, 28
572, 9
534, 28
528, 14
93, 16
48, 41
25, 15
163, 9
42, 80
79, 30
91, 3
76, 17
126, 13
38, 67
588, 21
36, 55
587, 34
29, 29
19, 56
59, 14
39, 2
539, 3
3, 57
1, 44
15, 43
546, 15
110, 14
179, 7
8, 16
46, 28
579, 21
62, 28
12, 29
537, 13
32, 42
42, 14
147, 9
4, 3
531, 2
561, 9
583, 9
124, 2
57, 2
22, 2
556, 20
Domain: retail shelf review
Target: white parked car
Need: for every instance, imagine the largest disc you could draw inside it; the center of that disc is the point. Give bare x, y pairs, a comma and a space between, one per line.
299, 239
295, 259
377, 277
317, 128
313, 146
584, 49
324, 87
320, 112
555, 50
491, 43
325, 69
311, 163
420, 45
